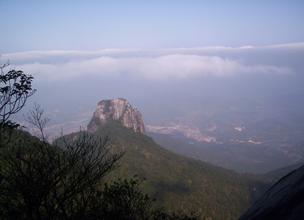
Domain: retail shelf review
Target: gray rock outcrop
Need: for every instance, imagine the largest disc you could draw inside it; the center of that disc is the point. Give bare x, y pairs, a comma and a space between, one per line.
117, 110
284, 200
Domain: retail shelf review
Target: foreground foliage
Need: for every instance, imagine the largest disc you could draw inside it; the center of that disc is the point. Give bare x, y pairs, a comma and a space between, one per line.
66, 181
15, 89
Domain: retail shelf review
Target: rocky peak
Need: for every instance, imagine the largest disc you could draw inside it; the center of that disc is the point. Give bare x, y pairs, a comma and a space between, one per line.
118, 110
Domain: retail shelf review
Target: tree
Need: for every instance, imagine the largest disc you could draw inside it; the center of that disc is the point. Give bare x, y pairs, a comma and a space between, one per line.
42, 181
15, 89
36, 118
122, 200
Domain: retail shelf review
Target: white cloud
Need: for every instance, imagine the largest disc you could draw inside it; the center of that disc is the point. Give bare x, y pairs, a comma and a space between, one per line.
176, 66
157, 64
59, 55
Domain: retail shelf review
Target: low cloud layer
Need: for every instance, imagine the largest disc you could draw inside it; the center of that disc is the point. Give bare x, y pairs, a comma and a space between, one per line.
162, 64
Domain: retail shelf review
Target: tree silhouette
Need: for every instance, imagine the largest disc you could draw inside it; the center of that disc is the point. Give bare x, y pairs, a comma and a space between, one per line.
15, 89
42, 181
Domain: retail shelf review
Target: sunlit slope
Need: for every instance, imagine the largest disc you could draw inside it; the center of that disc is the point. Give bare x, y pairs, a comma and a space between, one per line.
177, 182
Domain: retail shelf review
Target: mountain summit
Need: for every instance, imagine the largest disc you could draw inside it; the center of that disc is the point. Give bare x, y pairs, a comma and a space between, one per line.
117, 110
177, 183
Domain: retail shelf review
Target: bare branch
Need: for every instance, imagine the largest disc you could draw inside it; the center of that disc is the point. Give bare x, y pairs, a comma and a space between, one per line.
36, 118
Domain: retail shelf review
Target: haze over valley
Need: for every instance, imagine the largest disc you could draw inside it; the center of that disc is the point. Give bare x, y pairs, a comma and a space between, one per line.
247, 98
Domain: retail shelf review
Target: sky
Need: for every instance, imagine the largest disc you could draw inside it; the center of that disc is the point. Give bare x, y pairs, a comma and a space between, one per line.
93, 25
158, 54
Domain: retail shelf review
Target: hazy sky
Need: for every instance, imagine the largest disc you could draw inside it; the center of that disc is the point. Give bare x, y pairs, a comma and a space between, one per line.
174, 60
91, 25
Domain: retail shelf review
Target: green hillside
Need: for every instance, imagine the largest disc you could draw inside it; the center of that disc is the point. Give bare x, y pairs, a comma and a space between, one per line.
177, 182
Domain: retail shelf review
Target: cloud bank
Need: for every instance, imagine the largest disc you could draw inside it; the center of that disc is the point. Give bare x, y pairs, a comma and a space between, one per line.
154, 64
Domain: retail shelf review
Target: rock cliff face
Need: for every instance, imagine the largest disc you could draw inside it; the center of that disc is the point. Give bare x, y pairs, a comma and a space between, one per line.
117, 110
284, 200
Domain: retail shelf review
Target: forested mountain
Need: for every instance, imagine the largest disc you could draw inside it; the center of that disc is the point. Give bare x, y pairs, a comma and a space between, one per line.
177, 182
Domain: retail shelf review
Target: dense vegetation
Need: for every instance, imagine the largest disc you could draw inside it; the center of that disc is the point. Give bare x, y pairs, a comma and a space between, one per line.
176, 182
68, 181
